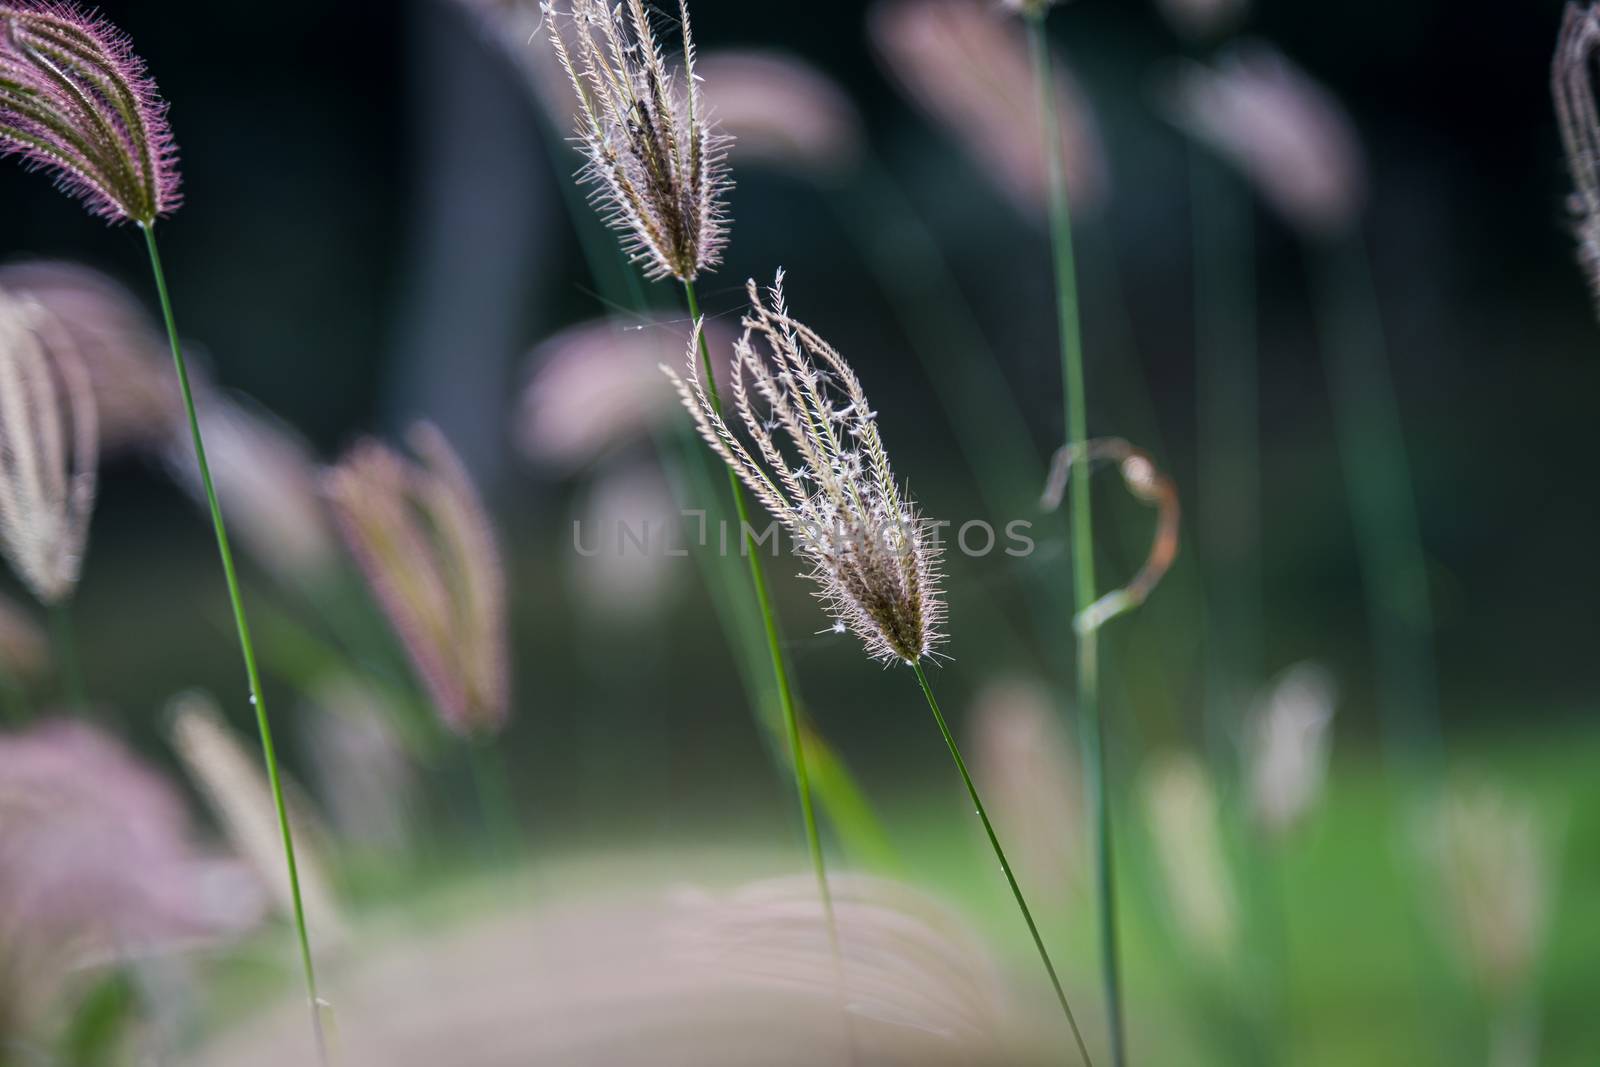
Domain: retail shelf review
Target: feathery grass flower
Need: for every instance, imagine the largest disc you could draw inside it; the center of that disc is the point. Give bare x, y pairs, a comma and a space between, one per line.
655, 161
367, 779
592, 388
872, 556
1286, 754
967, 68
238, 793
1572, 85
1491, 859
98, 866
265, 472
782, 111
684, 978
49, 449
1181, 805
75, 100
1028, 769
1283, 131
423, 539
135, 391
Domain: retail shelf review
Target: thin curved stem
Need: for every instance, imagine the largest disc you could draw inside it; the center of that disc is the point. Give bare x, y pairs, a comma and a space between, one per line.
780, 668
1083, 584
246, 646
1000, 854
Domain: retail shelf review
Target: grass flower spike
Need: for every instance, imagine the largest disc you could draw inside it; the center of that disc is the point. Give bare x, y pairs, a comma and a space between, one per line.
967, 68
75, 100
655, 162
49, 447
1281, 129
872, 556
874, 559
1572, 84
135, 390
421, 537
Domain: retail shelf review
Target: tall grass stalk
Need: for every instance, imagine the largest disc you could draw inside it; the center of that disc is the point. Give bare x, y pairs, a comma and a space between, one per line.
780, 669
1083, 581
1227, 416
246, 645
1383, 507
1000, 854
835, 787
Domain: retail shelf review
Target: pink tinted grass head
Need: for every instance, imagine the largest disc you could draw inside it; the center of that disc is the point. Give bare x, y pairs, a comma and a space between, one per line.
49, 450
422, 538
783, 112
76, 101
1287, 134
592, 388
130, 370
967, 67
98, 864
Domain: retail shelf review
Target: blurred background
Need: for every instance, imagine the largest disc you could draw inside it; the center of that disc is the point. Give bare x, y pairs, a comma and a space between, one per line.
377, 228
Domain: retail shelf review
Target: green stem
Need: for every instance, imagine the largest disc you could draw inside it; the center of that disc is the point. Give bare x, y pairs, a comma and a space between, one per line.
246, 646
1077, 422
1000, 854
780, 669
1228, 511
64, 641
1383, 507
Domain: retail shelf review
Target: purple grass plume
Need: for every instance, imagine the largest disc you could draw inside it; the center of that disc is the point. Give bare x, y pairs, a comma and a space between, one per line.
423, 540
873, 557
76, 101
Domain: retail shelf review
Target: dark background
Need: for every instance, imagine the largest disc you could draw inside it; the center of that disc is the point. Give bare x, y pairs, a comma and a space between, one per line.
350, 171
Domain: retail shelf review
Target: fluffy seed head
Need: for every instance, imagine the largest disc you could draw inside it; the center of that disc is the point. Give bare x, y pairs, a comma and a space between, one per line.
421, 536
968, 68
1283, 131
49, 447
266, 478
1491, 857
1572, 83
873, 557
1025, 764
1181, 805
655, 162
230, 778
76, 101
687, 978
97, 865
1286, 753
130, 368
592, 388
